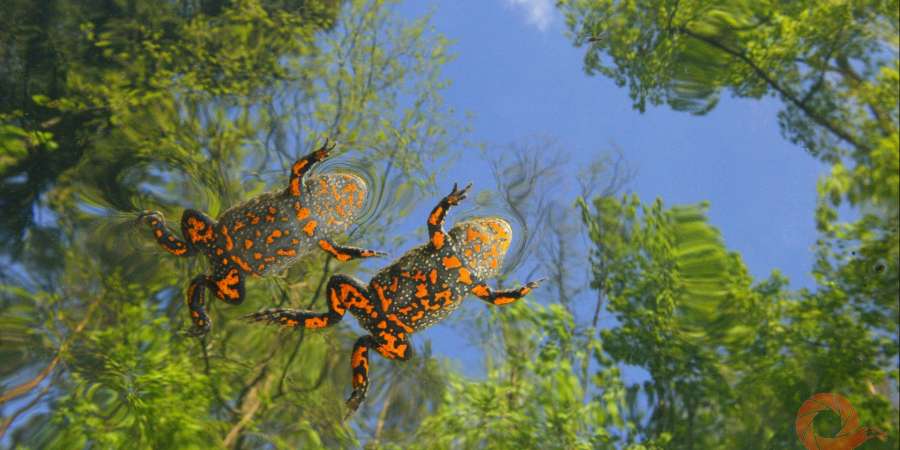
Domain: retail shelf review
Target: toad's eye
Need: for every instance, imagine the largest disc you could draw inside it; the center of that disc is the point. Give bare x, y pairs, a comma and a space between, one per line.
483, 242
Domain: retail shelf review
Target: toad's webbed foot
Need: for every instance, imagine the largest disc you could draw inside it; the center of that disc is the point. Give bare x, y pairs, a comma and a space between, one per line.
356, 399
457, 195
532, 285
197, 331
146, 216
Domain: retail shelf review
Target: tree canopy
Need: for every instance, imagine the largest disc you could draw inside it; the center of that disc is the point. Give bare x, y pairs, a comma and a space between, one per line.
665, 340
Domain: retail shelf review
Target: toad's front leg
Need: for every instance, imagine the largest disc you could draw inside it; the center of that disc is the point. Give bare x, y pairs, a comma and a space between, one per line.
436, 233
505, 296
301, 167
346, 253
164, 236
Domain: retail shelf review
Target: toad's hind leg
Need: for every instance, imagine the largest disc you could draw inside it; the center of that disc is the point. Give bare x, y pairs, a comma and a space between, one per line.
228, 286
386, 344
199, 229
343, 293
359, 364
196, 302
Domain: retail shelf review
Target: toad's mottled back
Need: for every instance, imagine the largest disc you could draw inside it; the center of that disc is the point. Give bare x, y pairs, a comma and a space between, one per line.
417, 290
429, 282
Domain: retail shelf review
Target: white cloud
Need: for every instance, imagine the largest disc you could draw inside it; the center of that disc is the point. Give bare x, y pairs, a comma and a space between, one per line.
539, 12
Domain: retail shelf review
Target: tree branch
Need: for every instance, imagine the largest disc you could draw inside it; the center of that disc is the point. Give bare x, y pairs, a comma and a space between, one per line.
382, 416
27, 386
249, 406
855, 81
4, 426
784, 91
213, 385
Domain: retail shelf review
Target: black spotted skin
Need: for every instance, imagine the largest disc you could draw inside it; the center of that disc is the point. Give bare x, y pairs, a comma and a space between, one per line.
422, 287
265, 234
269, 233
414, 292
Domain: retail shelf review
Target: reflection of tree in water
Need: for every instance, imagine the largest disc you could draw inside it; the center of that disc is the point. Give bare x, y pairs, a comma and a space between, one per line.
194, 127
203, 104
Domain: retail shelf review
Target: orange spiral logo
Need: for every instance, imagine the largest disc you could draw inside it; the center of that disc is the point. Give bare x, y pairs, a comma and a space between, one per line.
849, 437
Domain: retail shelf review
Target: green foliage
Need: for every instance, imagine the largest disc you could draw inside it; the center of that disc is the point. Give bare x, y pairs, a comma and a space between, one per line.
730, 362
200, 108
133, 386
535, 398
834, 65
809, 53
75, 74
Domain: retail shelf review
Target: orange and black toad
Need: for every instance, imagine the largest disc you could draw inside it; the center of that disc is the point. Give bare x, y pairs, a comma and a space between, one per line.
265, 234
416, 291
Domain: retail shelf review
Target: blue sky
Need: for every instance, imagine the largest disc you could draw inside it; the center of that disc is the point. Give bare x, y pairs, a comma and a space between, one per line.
518, 75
